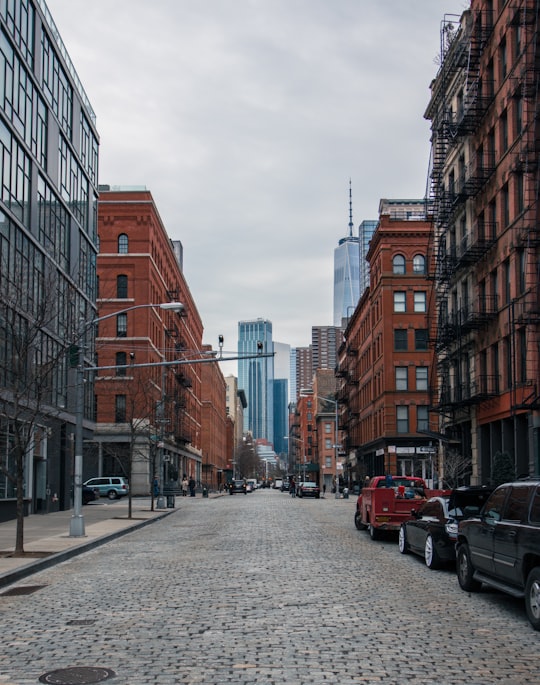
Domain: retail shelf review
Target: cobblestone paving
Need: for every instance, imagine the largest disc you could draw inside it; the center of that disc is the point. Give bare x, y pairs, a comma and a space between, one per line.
262, 589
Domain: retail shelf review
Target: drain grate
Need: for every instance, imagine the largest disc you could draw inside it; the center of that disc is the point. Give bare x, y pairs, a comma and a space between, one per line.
81, 622
83, 675
22, 590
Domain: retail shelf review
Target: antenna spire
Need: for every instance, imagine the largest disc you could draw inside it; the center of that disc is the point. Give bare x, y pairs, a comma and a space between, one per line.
351, 225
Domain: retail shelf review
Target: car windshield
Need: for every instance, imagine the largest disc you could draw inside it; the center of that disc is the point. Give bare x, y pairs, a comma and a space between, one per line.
309, 485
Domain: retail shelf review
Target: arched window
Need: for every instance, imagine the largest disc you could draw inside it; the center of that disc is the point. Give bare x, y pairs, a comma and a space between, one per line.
122, 287
123, 243
399, 264
419, 264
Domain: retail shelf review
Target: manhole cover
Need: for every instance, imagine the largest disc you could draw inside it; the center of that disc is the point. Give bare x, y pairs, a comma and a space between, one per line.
77, 676
22, 590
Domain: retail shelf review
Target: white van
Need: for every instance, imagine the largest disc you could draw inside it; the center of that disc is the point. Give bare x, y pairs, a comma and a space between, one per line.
277, 484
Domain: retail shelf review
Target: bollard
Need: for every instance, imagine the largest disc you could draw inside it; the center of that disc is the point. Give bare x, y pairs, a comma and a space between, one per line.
205, 492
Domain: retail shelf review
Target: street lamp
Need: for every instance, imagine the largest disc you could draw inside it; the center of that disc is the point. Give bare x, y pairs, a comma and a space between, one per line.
76, 524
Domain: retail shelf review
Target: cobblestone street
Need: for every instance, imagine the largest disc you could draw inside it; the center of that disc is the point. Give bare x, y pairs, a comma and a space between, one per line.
262, 589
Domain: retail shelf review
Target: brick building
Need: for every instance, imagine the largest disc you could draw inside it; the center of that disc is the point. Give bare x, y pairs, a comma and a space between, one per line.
214, 424
148, 419
384, 361
486, 242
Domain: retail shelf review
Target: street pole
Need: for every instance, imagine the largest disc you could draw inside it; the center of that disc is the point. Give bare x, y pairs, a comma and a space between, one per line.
336, 447
76, 524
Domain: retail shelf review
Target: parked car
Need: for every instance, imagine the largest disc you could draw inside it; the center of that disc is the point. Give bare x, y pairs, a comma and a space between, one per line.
112, 487
88, 494
308, 489
501, 546
237, 486
432, 531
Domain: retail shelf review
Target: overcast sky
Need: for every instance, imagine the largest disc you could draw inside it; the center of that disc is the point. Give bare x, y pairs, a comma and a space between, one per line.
245, 119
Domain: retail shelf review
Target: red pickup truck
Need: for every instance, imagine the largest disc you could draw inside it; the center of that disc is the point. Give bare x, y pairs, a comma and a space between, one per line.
387, 501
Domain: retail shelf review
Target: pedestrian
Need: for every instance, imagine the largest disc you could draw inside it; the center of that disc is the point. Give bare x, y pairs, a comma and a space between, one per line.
292, 488
192, 487
156, 487
185, 484
324, 489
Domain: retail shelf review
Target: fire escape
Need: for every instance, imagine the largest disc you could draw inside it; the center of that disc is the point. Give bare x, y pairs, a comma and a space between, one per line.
457, 320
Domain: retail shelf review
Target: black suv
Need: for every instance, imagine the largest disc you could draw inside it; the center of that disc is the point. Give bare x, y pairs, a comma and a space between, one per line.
501, 547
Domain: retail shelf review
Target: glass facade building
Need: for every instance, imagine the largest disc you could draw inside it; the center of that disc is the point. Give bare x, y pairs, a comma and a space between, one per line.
346, 278
48, 244
365, 233
256, 377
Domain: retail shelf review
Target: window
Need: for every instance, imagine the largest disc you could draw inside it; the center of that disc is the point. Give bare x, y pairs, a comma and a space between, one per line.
507, 281
421, 339
120, 408
422, 419
505, 205
328, 443
121, 326
401, 378
420, 301
504, 131
400, 340
520, 262
522, 363
122, 287
503, 59
419, 264
402, 419
400, 302
123, 243
327, 427
121, 361
421, 377
519, 115
398, 264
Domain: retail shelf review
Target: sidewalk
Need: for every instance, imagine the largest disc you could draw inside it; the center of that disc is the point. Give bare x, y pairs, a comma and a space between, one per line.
47, 535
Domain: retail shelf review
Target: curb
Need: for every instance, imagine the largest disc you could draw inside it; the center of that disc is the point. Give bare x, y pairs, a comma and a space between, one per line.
42, 564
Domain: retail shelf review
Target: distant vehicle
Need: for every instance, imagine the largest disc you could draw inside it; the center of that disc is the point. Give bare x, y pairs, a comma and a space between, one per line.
112, 487
278, 484
308, 489
237, 486
432, 531
88, 494
501, 546
252, 484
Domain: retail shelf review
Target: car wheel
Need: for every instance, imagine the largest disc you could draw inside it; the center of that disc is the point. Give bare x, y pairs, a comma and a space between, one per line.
358, 521
402, 541
112, 494
374, 533
465, 570
431, 556
532, 597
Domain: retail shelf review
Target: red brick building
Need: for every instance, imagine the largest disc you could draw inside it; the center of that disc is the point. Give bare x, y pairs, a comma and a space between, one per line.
148, 419
484, 193
214, 424
384, 361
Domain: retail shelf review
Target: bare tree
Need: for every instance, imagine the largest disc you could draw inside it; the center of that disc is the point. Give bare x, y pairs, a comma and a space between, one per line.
33, 370
457, 469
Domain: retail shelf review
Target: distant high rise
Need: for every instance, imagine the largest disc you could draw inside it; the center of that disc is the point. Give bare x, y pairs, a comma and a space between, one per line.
365, 232
325, 341
346, 273
281, 393
303, 370
256, 377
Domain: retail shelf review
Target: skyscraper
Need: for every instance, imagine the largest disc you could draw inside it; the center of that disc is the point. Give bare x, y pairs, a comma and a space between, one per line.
365, 234
256, 377
346, 273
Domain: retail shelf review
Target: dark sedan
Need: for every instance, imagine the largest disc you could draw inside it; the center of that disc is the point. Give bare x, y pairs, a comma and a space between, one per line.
308, 489
432, 532
88, 494
237, 486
